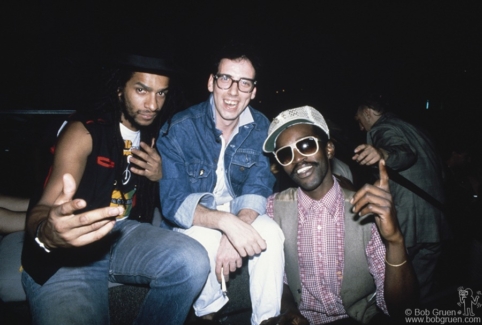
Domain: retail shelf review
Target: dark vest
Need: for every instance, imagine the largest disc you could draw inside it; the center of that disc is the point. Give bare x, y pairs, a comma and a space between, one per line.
95, 188
358, 287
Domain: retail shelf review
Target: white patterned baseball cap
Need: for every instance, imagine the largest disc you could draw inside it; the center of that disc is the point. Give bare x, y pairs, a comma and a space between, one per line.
299, 115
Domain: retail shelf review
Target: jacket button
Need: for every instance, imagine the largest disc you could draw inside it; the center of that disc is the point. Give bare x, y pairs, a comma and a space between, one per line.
201, 172
241, 168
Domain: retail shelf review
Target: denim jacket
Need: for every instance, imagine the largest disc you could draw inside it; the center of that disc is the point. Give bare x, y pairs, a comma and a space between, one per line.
190, 148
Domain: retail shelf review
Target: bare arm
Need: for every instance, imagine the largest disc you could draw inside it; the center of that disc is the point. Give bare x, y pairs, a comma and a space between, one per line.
11, 221
243, 236
14, 203
55, 211
400, 282
13, 212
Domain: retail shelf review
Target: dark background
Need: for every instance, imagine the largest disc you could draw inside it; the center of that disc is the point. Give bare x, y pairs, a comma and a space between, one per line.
314, 53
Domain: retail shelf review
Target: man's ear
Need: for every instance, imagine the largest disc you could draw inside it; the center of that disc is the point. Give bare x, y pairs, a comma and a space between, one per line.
253, 93
330, 150
119, 93
211, 83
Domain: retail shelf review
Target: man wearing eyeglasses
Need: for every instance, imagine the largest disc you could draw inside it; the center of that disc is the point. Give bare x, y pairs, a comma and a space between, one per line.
339, 269
215, 183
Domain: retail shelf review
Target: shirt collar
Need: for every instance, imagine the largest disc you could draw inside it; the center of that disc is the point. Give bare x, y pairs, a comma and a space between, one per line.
244, 118
326, 202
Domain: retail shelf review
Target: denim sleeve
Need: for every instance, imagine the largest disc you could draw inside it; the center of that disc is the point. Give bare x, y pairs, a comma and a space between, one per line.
249, 201
185, 213
178, 203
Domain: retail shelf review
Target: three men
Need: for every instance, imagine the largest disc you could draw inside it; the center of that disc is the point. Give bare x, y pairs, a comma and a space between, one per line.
337, 266
215, 184
80, 233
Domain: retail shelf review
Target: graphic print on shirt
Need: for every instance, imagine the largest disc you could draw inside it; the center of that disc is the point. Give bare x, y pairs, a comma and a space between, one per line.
128, 183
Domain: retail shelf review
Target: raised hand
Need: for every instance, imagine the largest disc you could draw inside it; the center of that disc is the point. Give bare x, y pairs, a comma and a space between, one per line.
64, 228
376, 199
148, 161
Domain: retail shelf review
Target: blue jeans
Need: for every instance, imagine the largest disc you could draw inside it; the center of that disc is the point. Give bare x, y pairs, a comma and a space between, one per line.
173, 265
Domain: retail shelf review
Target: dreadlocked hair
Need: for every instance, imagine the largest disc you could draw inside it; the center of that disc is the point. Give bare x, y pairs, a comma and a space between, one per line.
147, 191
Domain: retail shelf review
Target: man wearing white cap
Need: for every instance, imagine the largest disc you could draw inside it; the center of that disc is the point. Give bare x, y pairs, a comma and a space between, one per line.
338, 268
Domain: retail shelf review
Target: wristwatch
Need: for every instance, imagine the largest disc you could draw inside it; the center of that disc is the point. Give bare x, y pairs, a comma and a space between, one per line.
38, 240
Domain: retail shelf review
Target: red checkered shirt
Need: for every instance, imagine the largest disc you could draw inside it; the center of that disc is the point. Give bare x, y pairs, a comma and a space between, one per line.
321, 256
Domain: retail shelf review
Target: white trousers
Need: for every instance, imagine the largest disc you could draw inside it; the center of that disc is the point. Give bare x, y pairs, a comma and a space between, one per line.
265, 271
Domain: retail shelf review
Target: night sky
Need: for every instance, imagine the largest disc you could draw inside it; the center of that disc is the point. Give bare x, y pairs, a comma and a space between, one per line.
317, 53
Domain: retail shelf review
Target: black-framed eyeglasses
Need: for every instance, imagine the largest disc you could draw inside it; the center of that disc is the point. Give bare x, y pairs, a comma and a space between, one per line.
225, 81
307, 146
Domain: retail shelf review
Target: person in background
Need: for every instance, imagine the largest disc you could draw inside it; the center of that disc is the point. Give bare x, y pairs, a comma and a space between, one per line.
416, 183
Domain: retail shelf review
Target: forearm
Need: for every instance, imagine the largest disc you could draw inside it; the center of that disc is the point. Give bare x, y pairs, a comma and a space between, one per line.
248, 215
11, 221
13, 203
210, 218
401, 289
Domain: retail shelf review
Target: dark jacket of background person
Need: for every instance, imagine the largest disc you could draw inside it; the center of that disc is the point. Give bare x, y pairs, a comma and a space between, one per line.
413, 155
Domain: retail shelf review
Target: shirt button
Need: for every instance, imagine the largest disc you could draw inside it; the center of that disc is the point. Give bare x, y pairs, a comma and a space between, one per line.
319, 227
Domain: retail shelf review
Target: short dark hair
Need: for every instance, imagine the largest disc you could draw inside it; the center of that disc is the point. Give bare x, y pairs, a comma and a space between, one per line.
236, 50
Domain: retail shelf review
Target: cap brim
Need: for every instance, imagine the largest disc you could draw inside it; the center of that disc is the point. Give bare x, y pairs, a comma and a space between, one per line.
270, 142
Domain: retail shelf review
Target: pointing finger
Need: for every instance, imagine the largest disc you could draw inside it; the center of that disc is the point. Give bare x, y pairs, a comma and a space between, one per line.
383, 183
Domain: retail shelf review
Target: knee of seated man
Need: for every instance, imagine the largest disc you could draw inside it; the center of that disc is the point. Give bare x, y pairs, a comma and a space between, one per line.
269, 230
189, 255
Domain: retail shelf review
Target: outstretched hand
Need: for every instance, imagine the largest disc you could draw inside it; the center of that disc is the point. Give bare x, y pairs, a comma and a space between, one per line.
64, 228
376, 199
148, 161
